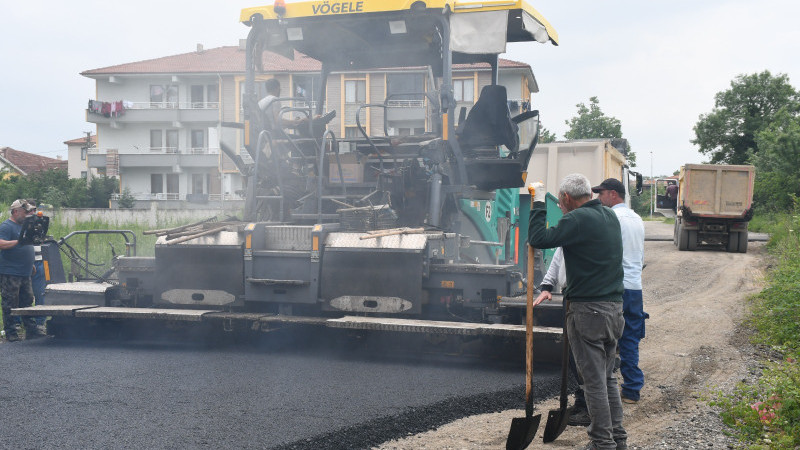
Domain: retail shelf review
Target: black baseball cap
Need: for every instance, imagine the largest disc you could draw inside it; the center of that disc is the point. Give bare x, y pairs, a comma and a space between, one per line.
610, 184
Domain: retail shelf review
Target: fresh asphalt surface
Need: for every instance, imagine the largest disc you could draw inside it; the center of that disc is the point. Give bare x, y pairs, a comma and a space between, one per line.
58, 393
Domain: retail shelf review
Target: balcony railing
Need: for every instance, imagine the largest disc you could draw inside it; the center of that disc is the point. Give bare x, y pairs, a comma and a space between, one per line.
177, 196
159, 151
406, 103
171, 105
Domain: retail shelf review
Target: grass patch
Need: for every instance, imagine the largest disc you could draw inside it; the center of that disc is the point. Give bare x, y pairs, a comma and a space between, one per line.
767, 413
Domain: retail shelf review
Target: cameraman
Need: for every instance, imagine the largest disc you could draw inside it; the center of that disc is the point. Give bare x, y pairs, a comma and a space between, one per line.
38, 279
16, 266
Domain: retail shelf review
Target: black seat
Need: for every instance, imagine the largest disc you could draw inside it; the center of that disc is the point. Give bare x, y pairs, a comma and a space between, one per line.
489, 122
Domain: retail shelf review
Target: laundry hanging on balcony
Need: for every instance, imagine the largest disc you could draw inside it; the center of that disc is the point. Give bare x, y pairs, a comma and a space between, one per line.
107, 109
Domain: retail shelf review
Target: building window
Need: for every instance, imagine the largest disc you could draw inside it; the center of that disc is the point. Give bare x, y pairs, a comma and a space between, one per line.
404, 83
212, 95
83, 174
355, 91
196, 95
464, 90
197, 183
163, 96
172, 141
156, 183
306, 87
156, 140
83, 153
198, 141
355, 94
173, 183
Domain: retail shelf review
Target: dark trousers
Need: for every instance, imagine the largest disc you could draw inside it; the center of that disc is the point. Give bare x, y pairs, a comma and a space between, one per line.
593, 329
632, 376
17, 292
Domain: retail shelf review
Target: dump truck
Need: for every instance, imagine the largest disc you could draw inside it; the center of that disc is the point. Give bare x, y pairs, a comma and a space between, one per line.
364, 231
715, 204
597, 159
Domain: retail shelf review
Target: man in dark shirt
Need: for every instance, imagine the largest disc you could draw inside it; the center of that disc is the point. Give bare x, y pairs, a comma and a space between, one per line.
590, 236
16, 266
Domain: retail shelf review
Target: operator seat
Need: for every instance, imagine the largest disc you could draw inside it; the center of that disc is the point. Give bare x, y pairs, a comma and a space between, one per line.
489, 123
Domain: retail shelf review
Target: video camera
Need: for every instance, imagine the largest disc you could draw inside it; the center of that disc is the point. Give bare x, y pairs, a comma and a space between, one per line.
34, 229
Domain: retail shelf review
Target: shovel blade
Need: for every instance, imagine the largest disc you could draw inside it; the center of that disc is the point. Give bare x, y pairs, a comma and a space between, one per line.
556, 424
522, 432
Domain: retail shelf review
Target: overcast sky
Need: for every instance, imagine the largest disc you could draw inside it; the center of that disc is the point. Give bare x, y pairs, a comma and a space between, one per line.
655, 65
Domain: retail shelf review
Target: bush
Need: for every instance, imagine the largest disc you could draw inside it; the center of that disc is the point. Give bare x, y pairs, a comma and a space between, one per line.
127, 200
768, 413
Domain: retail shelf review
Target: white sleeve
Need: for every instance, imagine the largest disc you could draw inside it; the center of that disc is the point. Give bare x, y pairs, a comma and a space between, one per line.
553, 276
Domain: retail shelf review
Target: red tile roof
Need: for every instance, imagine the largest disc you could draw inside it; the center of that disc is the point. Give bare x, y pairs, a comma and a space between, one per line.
81, 140
29, 162
232, 60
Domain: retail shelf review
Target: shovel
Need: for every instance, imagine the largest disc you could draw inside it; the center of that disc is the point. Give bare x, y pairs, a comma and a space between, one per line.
523, 429
557, 418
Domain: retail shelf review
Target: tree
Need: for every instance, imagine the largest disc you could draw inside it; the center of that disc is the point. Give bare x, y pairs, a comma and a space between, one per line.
777, 180
545, 136
728, 133
127, 200
592, 123
100, 190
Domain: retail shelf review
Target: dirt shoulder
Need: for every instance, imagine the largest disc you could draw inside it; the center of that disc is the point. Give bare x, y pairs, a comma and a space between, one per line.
694, 346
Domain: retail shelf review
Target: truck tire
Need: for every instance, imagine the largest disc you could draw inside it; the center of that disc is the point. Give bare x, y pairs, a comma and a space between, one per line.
733, 242
683, 239
692, 244
743, 236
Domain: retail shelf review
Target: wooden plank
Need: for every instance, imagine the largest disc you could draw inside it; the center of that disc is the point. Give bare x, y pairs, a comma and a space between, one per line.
50, 310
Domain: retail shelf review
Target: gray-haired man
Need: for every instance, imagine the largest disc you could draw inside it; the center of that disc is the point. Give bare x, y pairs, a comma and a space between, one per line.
589, 234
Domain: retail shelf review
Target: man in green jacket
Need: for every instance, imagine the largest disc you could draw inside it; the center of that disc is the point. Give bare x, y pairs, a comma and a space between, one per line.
589, 234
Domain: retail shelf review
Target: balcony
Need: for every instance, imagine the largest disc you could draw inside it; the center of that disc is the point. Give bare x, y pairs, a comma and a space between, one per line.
149, 112
405, 111
200, 157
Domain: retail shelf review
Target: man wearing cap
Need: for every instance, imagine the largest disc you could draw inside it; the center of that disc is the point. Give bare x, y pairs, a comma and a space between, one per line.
590, 237
16, 266
611, 193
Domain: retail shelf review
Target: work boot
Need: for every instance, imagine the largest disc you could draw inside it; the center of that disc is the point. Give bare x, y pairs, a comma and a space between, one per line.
622, 444
579, 417
12, 337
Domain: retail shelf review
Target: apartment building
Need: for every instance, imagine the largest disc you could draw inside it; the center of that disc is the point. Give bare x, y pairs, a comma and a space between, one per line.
160, 121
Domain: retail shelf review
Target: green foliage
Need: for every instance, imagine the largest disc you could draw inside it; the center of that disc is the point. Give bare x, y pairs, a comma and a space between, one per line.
127, 200
767, 414
56, 188
545, 136
592, 123
100, 190
728, 133
778, 181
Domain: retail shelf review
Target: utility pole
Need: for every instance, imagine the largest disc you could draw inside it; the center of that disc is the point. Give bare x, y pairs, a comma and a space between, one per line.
652, 187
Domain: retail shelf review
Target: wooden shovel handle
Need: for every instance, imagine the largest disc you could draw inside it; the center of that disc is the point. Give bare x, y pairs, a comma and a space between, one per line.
529, 338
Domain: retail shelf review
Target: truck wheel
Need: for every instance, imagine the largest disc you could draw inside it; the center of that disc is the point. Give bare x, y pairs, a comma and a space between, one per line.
733, 242
692, 244
683, 239
743, 241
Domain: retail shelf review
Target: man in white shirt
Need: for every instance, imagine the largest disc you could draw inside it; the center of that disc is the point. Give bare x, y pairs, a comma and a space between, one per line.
611, 193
